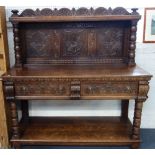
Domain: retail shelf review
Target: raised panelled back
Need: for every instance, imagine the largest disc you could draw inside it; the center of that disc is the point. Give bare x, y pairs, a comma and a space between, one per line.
76, 36
75, 42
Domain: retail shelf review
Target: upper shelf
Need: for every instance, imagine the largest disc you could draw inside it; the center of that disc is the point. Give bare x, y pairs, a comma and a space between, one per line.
81, 14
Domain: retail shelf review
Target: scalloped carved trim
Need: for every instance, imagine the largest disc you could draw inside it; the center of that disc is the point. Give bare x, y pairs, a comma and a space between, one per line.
46, 12
101, 11
28, 12
120, 11
75, 12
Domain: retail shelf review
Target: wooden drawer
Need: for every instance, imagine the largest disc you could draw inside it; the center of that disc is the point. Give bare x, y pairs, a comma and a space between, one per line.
42, 88
109, 89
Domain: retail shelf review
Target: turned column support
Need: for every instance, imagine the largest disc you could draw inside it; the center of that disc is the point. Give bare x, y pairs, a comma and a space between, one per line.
132, 45
10, 98
17, 48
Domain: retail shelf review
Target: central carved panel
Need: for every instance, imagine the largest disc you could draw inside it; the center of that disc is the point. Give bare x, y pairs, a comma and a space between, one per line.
74, 42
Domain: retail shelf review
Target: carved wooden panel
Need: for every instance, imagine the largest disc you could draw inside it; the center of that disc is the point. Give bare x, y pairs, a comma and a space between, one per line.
44, 87
74, 42
109, 88
38, 43
50, 87
109, 41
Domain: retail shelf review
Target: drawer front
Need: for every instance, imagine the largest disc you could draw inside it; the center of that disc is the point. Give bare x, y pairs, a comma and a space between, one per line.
109, 89
42, 88
57, 89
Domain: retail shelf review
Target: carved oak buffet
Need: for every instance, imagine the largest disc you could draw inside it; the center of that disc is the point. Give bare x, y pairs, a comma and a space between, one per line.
74, 55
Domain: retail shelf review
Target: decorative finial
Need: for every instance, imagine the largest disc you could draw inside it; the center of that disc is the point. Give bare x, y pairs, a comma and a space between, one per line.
91, 10
110, 10
15, 13
37, 11
73, 11
134, 11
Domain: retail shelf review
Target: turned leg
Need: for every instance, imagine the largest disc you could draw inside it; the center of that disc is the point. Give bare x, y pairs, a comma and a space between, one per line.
142, 96
25, 110
124, 109
14, 120
136, 123
10, 99
137, 119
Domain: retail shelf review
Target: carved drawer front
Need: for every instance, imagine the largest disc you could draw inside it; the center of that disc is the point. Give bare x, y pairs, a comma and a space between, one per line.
109, 88
42, 88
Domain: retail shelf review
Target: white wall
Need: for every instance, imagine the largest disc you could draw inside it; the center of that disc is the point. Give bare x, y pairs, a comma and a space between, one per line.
145, 57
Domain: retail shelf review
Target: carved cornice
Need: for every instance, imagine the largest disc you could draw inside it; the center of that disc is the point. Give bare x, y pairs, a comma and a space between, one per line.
74, 12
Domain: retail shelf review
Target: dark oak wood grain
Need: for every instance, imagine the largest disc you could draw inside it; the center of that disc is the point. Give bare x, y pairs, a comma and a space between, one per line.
75, 54
77, 131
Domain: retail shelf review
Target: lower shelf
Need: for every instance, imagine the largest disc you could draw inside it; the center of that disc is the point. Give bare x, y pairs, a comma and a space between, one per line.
76, 131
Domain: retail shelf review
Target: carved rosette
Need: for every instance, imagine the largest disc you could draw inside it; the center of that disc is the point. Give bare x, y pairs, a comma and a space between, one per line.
10, 98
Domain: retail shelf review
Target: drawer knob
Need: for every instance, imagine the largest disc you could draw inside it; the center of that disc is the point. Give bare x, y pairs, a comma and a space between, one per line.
23, 88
